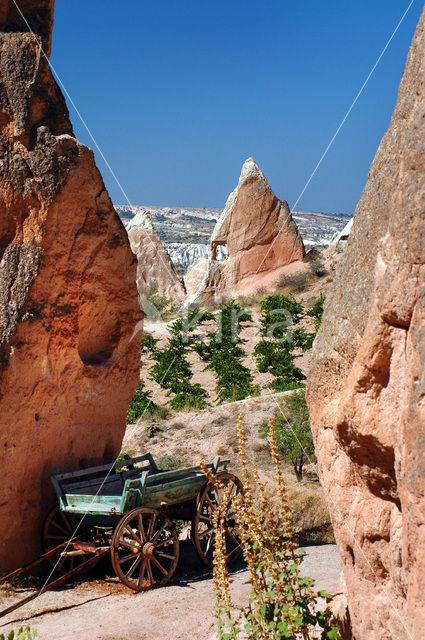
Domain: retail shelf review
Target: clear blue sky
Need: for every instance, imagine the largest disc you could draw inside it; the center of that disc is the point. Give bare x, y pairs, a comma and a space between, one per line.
179, 93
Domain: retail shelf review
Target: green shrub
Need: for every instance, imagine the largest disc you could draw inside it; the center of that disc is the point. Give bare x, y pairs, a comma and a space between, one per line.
224, 355
23, 633
293, 433
281, 603
140, 404
274, 353
277, 359
173, 372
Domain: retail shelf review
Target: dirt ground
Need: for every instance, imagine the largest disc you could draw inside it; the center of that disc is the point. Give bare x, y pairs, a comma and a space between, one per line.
103, 609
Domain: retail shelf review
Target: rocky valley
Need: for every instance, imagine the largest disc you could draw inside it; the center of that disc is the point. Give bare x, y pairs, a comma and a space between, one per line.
284, 350
186, 232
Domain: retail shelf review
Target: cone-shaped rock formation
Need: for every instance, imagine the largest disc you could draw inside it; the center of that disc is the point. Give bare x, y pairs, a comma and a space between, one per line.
260, 237
69, 358
366, 389
155, 270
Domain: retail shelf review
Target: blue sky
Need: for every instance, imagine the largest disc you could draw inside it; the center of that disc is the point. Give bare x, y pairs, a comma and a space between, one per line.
179, 93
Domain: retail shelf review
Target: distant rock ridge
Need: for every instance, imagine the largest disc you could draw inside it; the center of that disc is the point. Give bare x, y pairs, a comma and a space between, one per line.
156, 273
69, 313
260, 237
366, 386
185, 255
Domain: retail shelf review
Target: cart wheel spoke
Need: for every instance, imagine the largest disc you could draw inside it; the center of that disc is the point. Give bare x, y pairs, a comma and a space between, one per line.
206, 532
210, 502
141, 573
128, 557
141, 527
59, 527
133, 566
133, 535
151, 578
203, 534
158, 533
123, 543
151, 528
163, 543
154, 530
235, 540
159, 565
165, 555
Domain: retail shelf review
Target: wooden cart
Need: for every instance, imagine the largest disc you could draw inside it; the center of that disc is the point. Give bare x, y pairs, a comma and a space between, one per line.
129, 508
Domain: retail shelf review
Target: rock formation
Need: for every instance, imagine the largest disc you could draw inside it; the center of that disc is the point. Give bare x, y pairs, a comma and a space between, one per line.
195, 275
184, 255
155, 271
366, 389
339, 240
69, 354
260, 237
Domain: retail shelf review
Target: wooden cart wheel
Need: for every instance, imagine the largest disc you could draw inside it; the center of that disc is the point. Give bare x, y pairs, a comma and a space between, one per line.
203, 536
145, 549
59, 527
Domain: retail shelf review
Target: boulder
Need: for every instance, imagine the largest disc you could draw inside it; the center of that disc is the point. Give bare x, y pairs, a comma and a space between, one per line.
156, 273
260, 237
366, 386
69, 313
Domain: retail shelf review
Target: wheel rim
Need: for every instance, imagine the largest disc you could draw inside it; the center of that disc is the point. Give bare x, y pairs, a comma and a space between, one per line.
203, 535
144, 549
58, 528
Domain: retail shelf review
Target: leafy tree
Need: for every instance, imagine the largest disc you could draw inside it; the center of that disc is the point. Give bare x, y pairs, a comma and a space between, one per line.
224, 355
277, 359
172, 370
274, 352
293, 433
140, 404
279, 314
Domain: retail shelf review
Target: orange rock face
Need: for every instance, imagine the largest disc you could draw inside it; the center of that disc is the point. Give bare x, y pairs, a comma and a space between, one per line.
155, 270
69, 353
260, 237
366, 389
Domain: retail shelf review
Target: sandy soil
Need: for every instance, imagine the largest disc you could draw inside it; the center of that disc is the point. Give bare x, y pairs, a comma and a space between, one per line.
103, 609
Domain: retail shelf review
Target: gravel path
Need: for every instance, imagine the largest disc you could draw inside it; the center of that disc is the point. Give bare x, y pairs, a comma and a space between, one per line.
105, 610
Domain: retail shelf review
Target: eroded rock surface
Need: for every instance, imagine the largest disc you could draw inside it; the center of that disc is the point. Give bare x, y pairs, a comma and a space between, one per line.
195, 275
155, 270
69, 353
260, 237
366, 389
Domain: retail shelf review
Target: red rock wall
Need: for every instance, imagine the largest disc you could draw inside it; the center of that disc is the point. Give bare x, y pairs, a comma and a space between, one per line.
69, 348
366, 389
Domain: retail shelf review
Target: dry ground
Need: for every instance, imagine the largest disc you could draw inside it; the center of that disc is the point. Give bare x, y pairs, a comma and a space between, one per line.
105, 610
